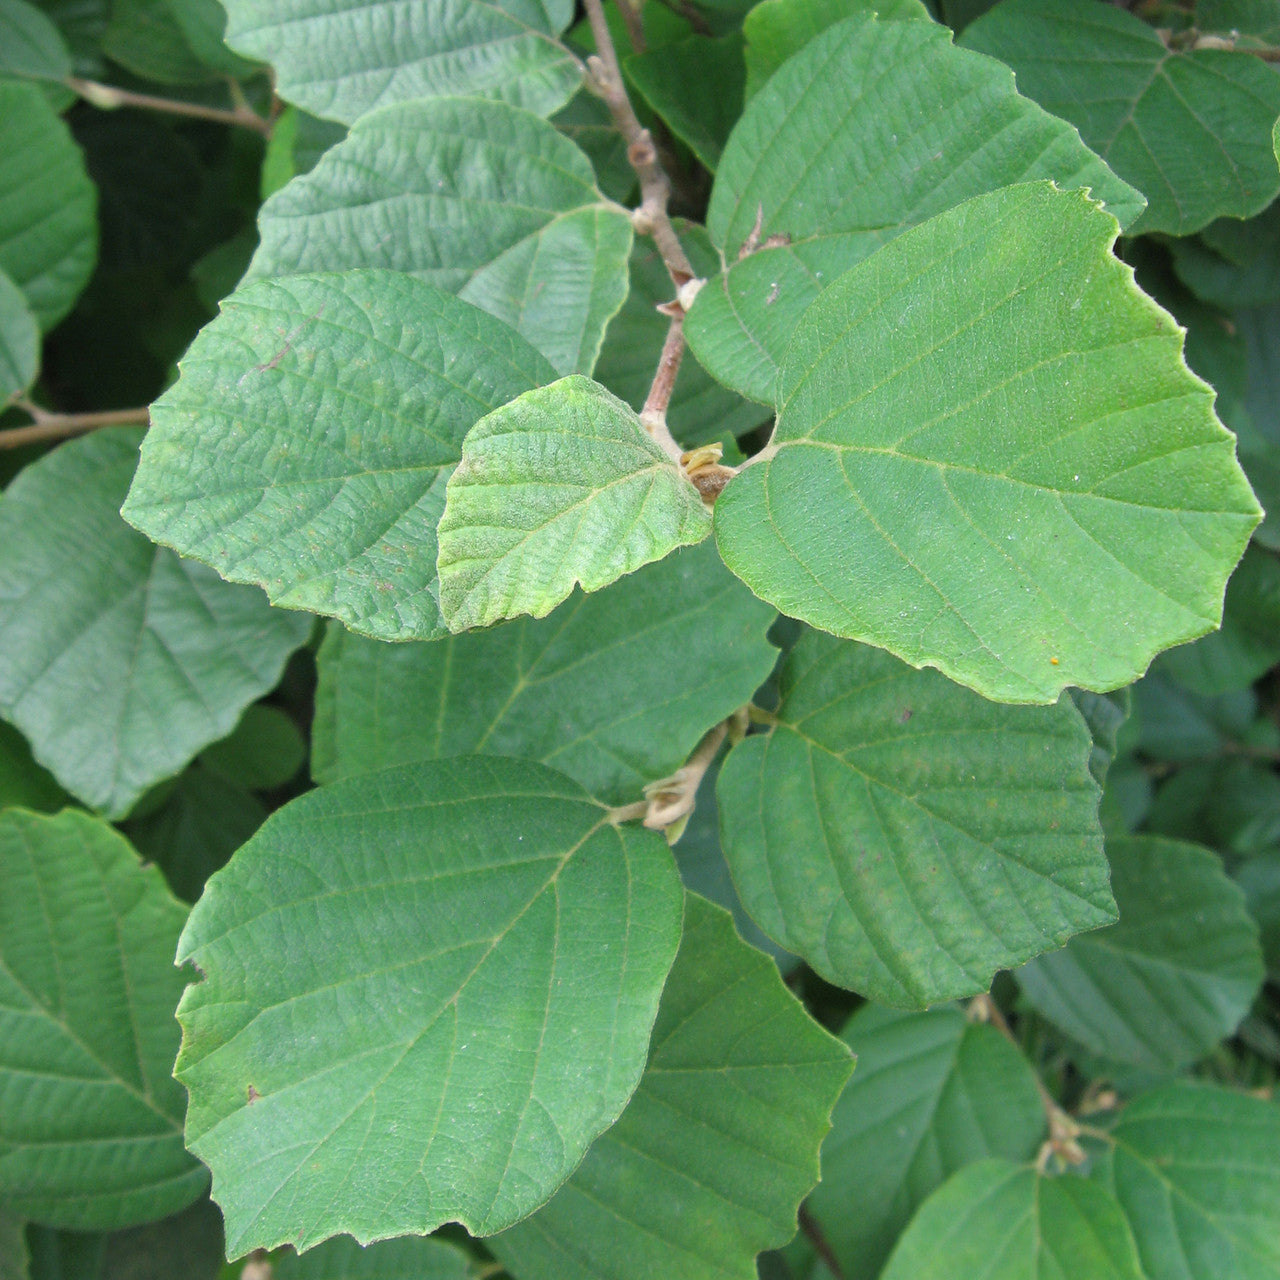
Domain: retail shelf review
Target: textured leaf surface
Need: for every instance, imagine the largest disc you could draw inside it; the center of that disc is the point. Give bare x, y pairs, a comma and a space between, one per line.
121, 661
403, 1259
479, 199
983, 430
48, 231
584, 690
1006, 1222
307, 443
933, 1092
30, 45
1190, 130
19, 341
1172, 977
1197, 1171
426, 991
906, 837
719, 1144
909, 126
92, 1131
341, 58
562, 487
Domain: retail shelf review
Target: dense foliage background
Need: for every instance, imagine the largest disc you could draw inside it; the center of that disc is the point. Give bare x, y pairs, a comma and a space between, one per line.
454, 976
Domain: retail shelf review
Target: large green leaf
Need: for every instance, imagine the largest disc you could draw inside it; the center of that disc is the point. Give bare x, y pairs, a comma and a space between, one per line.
404, 1259
92, 1129
426, 990
48, 206
562, 487
933, 1092
480, 199
1004, 1221
19, 342
1197, 1171
1190, 130
909, 126
984, 430
341, 58
1172, 977
121, 660
720, 1142
307, 443
906, 837
582, 690
30, 45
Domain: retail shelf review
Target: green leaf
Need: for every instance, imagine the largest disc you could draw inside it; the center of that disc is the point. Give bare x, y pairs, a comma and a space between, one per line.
998, 365
585, 121
404, 1259
263, 752
906, 837
478, 198
1233, 264
776, 29
1190, 130
307, 443
1259, 878
14, 1259
121, 661
720, 1142
933, 1092
23, 783
426, 991
1257, 18
203, 24
297, 142
1104, 713
561, 487
584, 690
696, 86
341, 58
48, 232
30, 45
1180, 725
1197, 1171
1172, 977
910, 126
145, 37
93, 1123
19, 342
1007, 1222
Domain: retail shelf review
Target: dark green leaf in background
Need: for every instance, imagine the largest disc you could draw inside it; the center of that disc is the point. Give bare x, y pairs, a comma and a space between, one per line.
1233, 263
402, 1259
714, 1152
307, 443
263, 752
23, 783
121, 660
30, 45
19, 342
425, 992
906, 837
1259, 878
91, 1135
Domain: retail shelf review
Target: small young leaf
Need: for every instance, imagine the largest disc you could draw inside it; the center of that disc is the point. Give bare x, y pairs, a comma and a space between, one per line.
587, 690
1172, 977
121, 660
341, 58
1007, 1222
561, 487
426, 991
1191, 130
19, 342
306, 445
30, 45
92, 1120
404, 1259
478, 198
713, 1154
883, 829
1196, 1170
983, 430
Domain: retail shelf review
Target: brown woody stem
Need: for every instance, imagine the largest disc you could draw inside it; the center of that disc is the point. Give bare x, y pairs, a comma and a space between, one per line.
57, 426
109, 97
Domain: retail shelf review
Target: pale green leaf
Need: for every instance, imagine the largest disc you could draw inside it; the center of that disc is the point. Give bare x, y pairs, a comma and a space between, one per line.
92, 1135
933, 1092
1172, 977
19, 342
984, 430
121, 660
404, 1259
1197, 1171
910, 126
587, 690
306, 445
720, 1142
906, 837
478, 198
1004, 1221
1191, 130
48, 206
562, 487
30, 45
341, 58
425, 992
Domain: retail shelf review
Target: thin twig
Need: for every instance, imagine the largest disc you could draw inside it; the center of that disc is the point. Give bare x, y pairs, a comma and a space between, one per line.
109, 98
821, 1245
635, 26
57, 426
654, 413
